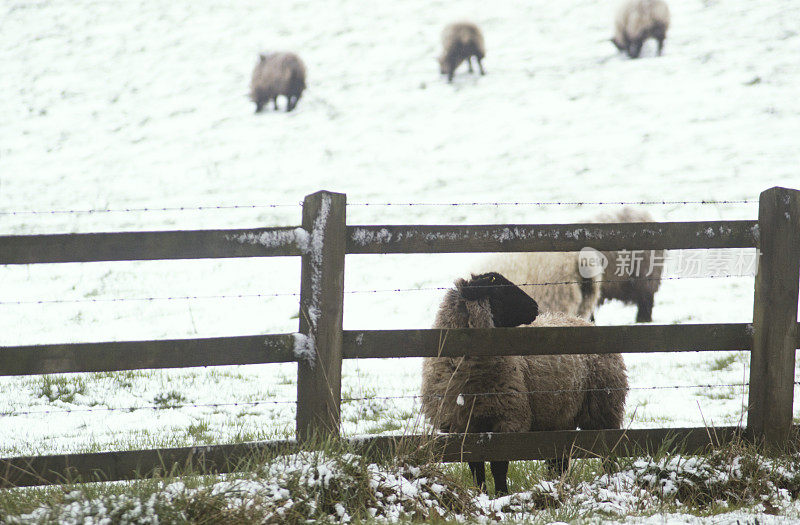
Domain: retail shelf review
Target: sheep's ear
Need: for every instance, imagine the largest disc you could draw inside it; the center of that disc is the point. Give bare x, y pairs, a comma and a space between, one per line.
262, 57
476, 288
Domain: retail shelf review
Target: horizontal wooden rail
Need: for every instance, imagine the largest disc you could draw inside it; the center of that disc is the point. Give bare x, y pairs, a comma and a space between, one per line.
114, 466
287, 241
546, 340
376, 344
155, 245
365, 344
551, 237
134, 355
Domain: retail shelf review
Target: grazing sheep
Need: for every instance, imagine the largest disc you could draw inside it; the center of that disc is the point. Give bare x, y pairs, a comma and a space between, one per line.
278, 74
461, 41
552, 278
632, 277
638, 20
555, 392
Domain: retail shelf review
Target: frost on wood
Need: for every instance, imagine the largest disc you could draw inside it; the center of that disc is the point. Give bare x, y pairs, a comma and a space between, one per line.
304, 348
364, 236
315, 245
275, 238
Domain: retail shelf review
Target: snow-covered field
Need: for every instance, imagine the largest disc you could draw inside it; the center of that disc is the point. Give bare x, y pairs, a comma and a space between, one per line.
137, 108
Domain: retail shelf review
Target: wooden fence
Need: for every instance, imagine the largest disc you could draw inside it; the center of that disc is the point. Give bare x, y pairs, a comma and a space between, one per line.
323, 241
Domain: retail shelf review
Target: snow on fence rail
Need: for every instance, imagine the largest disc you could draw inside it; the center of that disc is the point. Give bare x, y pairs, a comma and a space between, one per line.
324, 239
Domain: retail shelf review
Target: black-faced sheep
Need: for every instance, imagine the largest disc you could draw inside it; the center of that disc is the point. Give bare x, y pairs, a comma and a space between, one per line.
638, 20
461, 41
278, 74
553, 279
632, 277
558, 392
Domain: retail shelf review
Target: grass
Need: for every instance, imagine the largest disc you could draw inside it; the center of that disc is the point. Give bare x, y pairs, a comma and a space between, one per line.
60, 388
321, 485
722, 363
170, 399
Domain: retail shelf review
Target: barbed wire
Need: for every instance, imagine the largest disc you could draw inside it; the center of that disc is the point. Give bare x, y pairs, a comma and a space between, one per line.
137, 210
351, 292
374, 204
556, 203
175, 406
149, 299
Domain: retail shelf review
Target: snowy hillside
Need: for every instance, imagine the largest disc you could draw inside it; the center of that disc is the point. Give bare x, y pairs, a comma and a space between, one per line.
142, 106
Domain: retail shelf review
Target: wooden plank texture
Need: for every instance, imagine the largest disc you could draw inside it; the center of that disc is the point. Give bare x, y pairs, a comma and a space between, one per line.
775, 317
319, 368
131, 464
113, 466
545, 340
366, 344
153, 245
133, 355
550, 237
513, 446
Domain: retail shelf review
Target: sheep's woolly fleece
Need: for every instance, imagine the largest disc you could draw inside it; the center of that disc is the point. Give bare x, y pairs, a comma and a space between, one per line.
312, 484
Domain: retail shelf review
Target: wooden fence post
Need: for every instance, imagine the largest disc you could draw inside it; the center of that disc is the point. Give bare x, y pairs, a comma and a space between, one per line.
319, 369
772, 361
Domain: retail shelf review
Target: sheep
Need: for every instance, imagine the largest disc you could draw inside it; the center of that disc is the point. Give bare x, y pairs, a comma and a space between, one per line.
276, 74
553, 279
461, 41
526, 393
638, 20
644, 268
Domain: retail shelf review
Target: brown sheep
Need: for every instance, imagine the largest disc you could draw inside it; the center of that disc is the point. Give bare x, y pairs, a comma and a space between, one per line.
641, 277
526, 393
461, 41
278, 74
638, 20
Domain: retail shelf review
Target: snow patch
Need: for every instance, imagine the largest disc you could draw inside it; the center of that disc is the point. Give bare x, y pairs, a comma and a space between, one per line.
275, 238
363, 236
304, 348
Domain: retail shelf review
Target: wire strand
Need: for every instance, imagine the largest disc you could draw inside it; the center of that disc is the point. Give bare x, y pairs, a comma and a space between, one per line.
359, 399
138, 210
352, 292
555, 203
374, 204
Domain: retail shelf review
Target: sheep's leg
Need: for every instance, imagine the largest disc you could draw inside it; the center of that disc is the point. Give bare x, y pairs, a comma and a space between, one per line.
660, 45
469, 64
259, 106
275, 103
480, 66
645, 312
290, 103
634, 48
478, 470
500, 475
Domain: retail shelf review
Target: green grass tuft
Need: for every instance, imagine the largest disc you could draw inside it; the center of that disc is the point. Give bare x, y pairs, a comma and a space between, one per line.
60, 388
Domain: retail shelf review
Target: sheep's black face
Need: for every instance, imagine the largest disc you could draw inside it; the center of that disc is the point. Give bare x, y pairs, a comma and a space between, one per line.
510, 305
